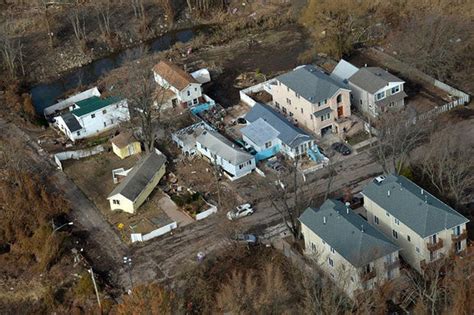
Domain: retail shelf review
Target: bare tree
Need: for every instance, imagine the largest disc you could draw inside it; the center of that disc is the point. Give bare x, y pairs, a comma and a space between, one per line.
104, 14
397, 137
76, 17
448, 165
145, 100
43, 7
12, 56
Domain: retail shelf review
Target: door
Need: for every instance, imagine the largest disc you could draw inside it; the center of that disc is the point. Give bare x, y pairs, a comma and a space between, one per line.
340, 111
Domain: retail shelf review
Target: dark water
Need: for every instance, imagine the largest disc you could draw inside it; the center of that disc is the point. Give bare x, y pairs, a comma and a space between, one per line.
45, 95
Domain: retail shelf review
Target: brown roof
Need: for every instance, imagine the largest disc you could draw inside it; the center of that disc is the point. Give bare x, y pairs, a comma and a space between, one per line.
175, 76
123, 139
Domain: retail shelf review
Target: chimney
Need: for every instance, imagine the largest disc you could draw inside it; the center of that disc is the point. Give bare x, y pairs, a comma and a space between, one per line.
324, 220
388, 193
347, 207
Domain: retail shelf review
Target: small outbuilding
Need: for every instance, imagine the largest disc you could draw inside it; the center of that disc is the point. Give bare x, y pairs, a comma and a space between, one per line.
124, 145
132, 192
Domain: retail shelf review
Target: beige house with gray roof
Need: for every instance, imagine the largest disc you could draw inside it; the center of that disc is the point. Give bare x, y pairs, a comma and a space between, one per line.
313, 100
425, 228
352, 252
132, 192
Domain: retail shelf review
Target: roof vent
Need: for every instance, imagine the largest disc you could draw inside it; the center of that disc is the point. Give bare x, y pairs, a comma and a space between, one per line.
379, 179
347, 207
422, 191
388, 193
362, 228
324, 220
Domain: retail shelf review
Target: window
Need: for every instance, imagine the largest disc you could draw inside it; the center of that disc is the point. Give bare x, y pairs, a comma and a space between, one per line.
325, 101
457, 230
388, 214
115, 201
397, 222
380, 95
339, 98
325, 116
284, 110
324, 243
105, 124
301, 110
313, 247
277, 105
311, 116
319, 103
376, 220
395, 234
104, 111
195, 89
417, 249
195, 101
93, 116
297, 95
396, 89
331, 262
78, 133
332, 250
352, 279
360, 101
268, 144
291, 114
189, 93
408, 238
288, 101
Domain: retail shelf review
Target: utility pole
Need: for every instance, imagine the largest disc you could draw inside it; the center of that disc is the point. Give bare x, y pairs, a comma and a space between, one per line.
95, 288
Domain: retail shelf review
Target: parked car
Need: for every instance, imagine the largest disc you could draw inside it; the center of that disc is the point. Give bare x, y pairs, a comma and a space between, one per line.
341, 148
249, 239
240, 211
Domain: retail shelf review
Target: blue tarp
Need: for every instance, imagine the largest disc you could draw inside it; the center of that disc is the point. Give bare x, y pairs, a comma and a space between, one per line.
200, 108
315, 154
268, 153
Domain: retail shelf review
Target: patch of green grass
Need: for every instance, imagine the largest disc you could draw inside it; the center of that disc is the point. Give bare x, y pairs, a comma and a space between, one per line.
358, 137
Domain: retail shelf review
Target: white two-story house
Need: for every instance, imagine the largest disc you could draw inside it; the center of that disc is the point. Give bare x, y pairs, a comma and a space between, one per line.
374, 90
222, 152
424, 227
268, 132
92, 116
180, 87
354, 254
313, 99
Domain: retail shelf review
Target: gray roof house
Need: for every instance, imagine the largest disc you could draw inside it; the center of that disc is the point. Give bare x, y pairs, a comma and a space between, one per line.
265, 123
139, 183
348, 233
374, 90
224, 153
412, 205
311, 83
426, 228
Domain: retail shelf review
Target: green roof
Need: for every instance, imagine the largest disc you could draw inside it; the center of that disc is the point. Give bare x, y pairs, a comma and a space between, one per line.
94, 103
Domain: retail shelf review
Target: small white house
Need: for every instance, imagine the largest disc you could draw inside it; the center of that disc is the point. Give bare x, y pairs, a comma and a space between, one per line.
221, 151
186, 90
92, 116
269, 132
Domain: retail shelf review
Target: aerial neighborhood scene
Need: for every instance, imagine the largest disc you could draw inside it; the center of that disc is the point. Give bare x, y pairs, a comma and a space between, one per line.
236, 157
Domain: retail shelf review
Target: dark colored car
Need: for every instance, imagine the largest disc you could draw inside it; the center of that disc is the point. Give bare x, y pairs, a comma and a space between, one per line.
341, 148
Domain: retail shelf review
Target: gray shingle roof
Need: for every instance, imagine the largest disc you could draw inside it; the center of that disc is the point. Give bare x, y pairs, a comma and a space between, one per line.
289, 134
260, 132
406, 202
223, 147
343, 232
71, 122
311, 83
372, 79
139, 177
